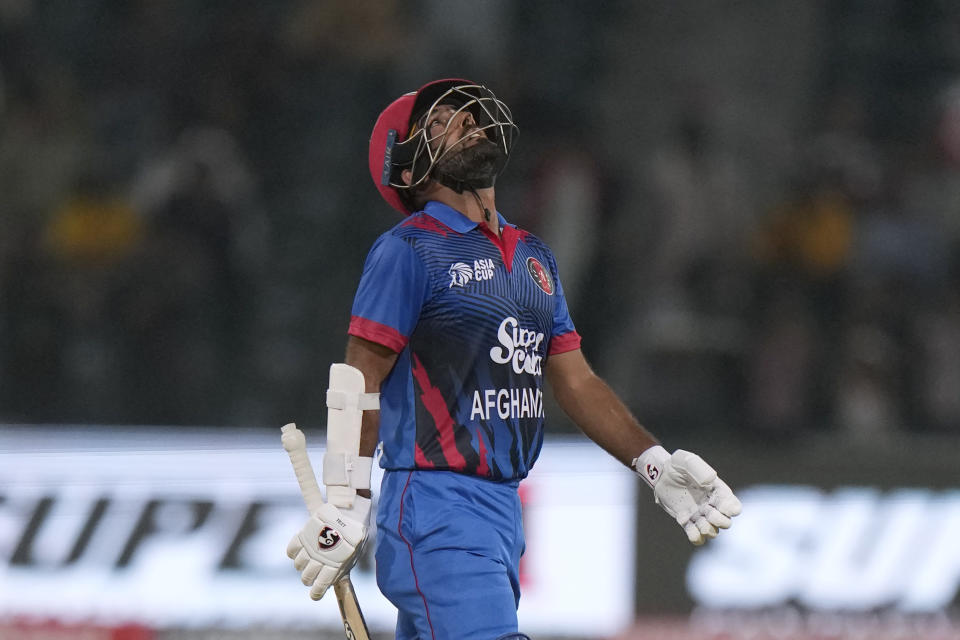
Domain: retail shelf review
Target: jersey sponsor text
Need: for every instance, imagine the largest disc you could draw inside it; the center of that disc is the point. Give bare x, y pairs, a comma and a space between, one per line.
518, 347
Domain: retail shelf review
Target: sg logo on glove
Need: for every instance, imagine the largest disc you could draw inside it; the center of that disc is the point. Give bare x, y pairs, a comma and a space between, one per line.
653, 472
328, 538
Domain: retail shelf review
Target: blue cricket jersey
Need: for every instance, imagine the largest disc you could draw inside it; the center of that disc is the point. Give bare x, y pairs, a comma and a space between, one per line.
473, 318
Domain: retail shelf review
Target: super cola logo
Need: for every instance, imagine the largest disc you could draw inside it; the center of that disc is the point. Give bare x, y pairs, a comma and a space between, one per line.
518, 347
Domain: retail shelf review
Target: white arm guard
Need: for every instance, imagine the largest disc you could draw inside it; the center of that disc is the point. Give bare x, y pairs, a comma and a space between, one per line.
689, 490
344, 469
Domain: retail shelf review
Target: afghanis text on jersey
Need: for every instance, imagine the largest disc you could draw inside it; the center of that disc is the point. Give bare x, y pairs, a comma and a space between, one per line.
507, 404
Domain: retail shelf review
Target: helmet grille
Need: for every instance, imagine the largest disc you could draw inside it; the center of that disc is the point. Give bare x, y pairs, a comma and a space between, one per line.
421, 151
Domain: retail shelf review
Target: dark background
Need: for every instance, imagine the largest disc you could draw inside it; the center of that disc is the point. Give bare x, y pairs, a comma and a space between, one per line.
755, 205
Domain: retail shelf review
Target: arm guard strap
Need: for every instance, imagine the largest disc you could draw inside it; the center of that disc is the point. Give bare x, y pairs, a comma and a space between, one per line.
344, 469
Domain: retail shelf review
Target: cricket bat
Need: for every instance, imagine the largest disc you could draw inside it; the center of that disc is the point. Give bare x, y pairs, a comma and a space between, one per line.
296, 446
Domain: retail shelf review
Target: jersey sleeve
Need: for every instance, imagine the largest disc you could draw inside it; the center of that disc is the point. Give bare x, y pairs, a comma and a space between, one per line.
564, 336
392, 290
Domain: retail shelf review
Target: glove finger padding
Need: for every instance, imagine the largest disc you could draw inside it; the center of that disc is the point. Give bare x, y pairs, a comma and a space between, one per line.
301, 559
327, 576
723, 499
699, 530
294, 547
310, 572
693, 534
715, 517
704, 526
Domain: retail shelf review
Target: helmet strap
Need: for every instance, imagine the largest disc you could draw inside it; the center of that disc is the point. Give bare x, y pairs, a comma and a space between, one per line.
462, 185
486, 212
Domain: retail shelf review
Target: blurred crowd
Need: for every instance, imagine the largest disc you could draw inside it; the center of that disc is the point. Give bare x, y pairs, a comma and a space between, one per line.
756, 213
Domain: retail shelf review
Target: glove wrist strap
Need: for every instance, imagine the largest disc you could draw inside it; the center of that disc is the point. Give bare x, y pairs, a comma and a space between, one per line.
650, 464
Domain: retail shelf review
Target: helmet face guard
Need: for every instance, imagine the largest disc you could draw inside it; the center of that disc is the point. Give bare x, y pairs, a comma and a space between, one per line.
402, 139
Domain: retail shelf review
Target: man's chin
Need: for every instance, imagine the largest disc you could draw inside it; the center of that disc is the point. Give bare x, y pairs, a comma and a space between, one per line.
477, 163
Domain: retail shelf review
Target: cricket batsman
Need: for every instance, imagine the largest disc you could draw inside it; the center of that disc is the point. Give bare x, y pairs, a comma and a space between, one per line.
458, 318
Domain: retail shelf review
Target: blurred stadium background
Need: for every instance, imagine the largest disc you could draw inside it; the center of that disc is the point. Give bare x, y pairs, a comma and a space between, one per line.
756, 211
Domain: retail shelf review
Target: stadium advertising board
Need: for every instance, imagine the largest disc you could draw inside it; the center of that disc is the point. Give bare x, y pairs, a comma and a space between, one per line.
828, 532
173, 529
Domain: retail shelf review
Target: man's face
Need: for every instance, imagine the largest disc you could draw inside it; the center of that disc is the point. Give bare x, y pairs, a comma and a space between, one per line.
462, 149
448, 129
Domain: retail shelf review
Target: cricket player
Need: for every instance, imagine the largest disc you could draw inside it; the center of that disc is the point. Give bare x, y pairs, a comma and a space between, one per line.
458, 318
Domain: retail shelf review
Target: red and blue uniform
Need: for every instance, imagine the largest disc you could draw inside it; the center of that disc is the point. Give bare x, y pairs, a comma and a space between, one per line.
473, 318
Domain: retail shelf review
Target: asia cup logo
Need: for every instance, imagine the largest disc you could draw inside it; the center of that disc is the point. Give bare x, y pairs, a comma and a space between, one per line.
328, 538
540, 275
460, 274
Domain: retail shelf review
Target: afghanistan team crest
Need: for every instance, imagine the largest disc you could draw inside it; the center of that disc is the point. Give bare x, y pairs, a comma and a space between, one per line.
540, 275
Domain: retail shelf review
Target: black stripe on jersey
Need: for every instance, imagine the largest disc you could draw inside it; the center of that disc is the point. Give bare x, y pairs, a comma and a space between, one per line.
462, 437
515, 451
495, 473
428, 440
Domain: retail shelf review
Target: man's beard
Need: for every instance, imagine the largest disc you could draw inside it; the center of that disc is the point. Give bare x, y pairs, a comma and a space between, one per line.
477, 166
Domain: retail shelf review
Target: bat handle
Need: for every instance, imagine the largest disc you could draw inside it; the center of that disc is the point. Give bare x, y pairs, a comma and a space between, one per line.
296, 446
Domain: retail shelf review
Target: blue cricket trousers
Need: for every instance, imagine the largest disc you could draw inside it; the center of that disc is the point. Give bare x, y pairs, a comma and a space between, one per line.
448, 552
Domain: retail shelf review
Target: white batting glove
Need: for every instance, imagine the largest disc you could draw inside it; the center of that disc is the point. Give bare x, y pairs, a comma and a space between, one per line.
689, 490
327, 546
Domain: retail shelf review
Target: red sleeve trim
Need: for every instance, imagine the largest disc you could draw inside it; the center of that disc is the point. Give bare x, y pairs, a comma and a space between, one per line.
564, 342
377, 332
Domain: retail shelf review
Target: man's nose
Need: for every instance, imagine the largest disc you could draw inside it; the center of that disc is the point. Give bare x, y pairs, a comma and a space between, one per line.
467, 120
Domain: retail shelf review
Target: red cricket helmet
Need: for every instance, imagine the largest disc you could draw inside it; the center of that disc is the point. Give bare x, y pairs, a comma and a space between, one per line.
395, 148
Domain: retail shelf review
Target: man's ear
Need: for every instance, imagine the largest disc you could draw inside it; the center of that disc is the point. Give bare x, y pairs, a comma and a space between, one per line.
406, 176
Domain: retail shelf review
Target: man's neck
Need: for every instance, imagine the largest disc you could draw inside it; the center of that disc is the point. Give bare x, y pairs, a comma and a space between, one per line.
475, 207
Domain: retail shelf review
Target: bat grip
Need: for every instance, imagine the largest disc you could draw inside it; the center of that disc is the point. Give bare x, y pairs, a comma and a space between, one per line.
296, 447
